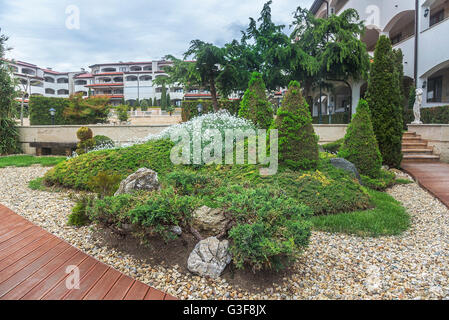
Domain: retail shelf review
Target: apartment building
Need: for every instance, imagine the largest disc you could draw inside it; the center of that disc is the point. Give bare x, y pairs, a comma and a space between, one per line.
121, 81
417, 27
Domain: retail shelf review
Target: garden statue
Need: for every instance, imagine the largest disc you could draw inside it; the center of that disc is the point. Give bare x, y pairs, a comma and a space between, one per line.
417, 106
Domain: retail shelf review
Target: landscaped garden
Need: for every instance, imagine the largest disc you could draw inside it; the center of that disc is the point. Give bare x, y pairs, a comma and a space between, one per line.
338, 221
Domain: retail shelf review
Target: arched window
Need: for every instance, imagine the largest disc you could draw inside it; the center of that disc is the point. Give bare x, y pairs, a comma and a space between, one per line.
108, 70
80, 82
63, 80
49, 91
135, 68
49, 79
131, 78
28, 71
147, 68
145, 78
118, 79
63, 92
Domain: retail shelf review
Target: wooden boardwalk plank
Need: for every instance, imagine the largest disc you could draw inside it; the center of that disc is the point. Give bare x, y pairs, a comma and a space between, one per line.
137, 292
154, 294
434, 177
23, 288
33, 266
52, 284
103, 286
120, 288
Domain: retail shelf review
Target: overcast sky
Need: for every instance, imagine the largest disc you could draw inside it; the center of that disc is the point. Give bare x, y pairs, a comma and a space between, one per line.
130, 30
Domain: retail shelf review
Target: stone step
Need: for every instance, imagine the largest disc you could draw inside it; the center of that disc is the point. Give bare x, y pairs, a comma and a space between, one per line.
418, 150
412, 139
414, 145
420, 158
409, 134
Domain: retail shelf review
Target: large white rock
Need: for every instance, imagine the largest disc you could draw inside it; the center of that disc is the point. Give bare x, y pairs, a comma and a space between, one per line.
142, 179
209, 257
208, 221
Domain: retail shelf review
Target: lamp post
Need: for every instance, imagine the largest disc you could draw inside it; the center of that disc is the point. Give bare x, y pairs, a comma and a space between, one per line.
52, 113
199, 107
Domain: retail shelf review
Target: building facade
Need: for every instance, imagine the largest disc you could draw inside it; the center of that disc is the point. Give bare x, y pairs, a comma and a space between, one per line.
417, 27
127, 82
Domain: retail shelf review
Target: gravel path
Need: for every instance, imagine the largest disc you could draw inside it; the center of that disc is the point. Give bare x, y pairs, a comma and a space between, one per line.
412, 266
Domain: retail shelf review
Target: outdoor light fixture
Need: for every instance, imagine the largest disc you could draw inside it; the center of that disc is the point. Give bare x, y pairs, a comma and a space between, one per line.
52, 113
199, 107
426, 12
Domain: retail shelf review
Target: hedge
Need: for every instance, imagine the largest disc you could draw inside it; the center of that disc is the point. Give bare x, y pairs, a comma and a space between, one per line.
189, 108
337, 118
435, 115
39, 109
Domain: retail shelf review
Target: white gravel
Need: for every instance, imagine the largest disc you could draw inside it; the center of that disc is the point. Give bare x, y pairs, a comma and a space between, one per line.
335, 266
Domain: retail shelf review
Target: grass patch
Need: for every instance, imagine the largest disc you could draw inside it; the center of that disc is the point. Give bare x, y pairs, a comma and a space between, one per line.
28, 160
36, 184
388, 218
403, 181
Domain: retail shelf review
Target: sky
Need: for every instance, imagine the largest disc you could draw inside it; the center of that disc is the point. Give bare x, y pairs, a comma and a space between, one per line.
68, 35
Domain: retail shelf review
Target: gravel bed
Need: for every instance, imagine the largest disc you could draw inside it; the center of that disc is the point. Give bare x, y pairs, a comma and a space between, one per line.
335, 266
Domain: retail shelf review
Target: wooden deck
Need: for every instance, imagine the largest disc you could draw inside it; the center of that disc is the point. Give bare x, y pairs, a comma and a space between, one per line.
33, 266
434, 177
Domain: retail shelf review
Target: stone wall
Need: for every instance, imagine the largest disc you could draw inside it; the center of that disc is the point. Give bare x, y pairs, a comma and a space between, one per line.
123, 134
437, 136
64, 134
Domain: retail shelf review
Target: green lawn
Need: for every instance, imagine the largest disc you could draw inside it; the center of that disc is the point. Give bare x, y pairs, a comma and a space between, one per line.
388, 218
27, 160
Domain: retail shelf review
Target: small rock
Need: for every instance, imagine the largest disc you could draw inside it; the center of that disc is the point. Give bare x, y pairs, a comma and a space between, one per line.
344, 164
143, 179
209, 257
208, 221
176, 230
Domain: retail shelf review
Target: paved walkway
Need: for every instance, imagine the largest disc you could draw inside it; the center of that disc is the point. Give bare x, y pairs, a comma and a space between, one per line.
432, 176
33, 266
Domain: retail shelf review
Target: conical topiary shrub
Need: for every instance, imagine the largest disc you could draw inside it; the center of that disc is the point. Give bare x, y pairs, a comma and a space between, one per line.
298, 143
384, 100
255, 105
360, 145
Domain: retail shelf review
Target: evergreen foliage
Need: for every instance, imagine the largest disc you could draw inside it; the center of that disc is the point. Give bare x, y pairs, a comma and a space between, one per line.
360, 145
255, 105
298, 143
384, 100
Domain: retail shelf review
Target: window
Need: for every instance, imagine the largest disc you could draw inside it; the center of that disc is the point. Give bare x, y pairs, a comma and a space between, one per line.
437, 17
122, 69
434, 89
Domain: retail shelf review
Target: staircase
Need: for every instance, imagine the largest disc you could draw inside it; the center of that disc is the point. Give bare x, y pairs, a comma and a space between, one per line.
416, 149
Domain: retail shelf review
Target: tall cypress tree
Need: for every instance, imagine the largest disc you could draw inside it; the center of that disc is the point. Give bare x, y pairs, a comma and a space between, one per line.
384, 100
255, 105
298, 143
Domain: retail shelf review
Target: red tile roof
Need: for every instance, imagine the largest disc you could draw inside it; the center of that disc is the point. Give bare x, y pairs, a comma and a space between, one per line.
54, 72
84, 75
105, 85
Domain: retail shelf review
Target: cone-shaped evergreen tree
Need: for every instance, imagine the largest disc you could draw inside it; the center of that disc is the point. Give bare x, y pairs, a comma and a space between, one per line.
298, 143
255, 105
360, 145
384, 100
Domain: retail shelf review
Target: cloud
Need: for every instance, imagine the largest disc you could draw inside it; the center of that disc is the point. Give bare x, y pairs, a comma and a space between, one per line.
131, 30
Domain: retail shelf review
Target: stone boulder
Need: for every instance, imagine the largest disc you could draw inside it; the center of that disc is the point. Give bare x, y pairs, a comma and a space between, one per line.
209, 257
142, 179
344, 164
208, 221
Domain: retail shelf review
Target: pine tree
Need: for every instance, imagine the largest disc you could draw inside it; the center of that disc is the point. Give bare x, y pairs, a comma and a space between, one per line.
298, 143
360, 145
255, 105
168, 103
384, 100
